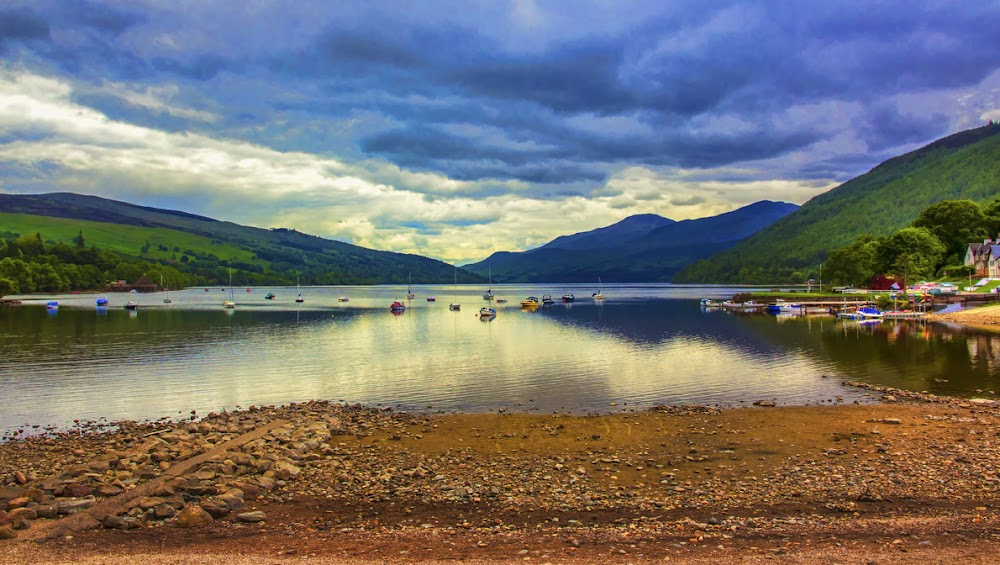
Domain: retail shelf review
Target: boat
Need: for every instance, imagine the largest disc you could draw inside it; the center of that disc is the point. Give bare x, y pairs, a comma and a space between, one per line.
342, 299
599, 295
547, 299
409, 293
568, 297
230, 304
298, 291
397, 306
269, 296
131, 305
455, 306
501, 300
52, 305
102, 301
710, 303
869, 313
529, 302
431, 299
166, 299
488, 295
486, 312
782, 307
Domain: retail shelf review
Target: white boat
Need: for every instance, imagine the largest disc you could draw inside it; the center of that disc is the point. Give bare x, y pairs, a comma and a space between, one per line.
455, 306
547, 299
342, 299
166, 299
488, 295
298, 291
710, 303
409, 293
599, 295
230, 304
487, 312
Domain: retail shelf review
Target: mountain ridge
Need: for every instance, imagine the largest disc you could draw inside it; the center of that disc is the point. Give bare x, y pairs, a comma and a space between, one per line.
653, 255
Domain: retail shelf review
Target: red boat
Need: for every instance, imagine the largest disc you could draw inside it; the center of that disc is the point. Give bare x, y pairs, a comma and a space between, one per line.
397, 306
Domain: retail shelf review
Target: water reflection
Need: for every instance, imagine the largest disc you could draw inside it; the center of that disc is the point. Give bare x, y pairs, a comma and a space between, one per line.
631, 349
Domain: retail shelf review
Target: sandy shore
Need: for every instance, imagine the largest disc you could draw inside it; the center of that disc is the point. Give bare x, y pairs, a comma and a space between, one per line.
910, 479
984, 317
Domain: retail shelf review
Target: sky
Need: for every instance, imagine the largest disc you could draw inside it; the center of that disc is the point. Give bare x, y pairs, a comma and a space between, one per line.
456, 129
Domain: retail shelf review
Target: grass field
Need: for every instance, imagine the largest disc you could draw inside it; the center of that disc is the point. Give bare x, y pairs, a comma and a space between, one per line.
122, 238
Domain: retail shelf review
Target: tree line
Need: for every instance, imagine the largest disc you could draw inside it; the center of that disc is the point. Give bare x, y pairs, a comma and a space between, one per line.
932, 246
30, 264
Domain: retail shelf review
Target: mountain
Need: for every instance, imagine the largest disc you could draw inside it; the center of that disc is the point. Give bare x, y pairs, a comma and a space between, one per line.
611, 236
204, 246
643, 248
965, 165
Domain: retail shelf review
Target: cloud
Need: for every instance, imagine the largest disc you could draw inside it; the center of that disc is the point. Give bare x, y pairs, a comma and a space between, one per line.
455, 132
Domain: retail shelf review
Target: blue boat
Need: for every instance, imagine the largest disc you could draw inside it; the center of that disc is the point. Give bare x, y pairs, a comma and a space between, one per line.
53, 305
102, 300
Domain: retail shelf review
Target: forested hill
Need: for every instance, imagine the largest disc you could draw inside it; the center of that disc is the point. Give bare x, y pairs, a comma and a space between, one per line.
965, 165
205, 248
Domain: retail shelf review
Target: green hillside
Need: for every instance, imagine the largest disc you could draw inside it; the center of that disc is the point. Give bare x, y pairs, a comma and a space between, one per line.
163, 244
965, 165
205, 248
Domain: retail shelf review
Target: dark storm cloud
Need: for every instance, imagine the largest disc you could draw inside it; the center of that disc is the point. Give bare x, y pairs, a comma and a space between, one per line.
19, 24
422, 76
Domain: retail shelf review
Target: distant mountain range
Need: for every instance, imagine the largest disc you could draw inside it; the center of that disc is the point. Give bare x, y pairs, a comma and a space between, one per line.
642, 248
205, 246
965, 165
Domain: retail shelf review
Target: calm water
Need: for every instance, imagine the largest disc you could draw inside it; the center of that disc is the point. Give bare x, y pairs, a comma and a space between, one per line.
644, 345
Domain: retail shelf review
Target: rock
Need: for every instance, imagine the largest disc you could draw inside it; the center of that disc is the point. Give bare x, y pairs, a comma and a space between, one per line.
216, 508
7, 532
193, 516
251, 517
47, 511
164, 511
25, 513
765, 403
4, 519
285, 470
113, 522
74, 505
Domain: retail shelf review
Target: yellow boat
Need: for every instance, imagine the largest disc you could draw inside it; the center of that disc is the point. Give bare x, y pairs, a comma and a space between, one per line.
529, 302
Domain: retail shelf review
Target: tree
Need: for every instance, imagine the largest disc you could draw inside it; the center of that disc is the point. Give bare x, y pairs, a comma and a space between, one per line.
911, 253
855, 264
956, 223
78, 240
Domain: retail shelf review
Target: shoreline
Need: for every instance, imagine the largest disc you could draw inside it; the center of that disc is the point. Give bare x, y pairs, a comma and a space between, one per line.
340, 483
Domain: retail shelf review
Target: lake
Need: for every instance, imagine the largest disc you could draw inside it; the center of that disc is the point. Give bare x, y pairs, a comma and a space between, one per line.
644, 345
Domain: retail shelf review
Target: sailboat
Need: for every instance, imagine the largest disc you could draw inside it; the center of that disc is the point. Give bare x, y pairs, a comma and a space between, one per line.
455, 306
298, 291
409, 293
166, 299
230, 304
488, 295
599, 295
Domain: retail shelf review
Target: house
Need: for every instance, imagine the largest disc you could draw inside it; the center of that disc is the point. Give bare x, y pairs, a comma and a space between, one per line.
883, 282
143, 284
985, 258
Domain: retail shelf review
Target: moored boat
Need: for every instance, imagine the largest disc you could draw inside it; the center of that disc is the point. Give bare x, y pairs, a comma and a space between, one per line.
397, 306
102, 300
568, 297
710, 303
529, 302
547, 299
486, 312
269, 296
342, 299
131, 305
